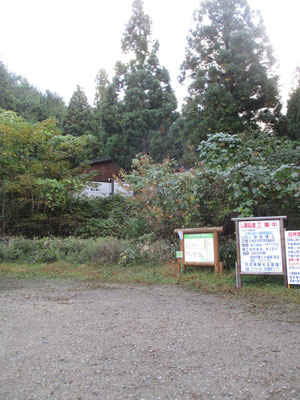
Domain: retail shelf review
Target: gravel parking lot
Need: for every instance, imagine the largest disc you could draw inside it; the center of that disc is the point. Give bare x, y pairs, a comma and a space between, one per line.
66, 339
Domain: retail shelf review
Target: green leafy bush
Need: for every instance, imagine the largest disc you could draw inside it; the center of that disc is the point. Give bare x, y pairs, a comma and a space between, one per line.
227, 251
248, 174
111, 216
70, 250
38, 176
162, 197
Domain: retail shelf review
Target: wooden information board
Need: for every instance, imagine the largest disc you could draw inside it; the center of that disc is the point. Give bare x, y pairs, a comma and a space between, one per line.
260, 247
200, 247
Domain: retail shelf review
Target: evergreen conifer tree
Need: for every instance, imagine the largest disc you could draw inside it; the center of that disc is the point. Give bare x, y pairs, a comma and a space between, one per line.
229, 69
101, 85
140, 105
78, 120
293, 110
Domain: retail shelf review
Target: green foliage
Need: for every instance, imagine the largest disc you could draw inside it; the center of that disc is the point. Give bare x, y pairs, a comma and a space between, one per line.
17, 94
139, 105
7, 98
79, 251
111, 216
253, 174
38, 178
52, 105
293, 115
101, 84
137, 35
70, 250
228, 67
227, 251
151, 253
163, 197
35, 106
41, 175
249, 174
78, 119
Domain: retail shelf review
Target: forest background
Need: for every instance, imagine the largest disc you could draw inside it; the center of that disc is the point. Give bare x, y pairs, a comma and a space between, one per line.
237, 153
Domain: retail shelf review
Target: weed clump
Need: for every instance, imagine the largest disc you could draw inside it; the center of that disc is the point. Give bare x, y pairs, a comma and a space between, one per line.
69, 250
157, 252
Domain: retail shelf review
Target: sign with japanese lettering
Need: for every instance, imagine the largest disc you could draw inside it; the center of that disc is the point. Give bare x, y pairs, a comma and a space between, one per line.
199, 247
260, 247
179, 254
292, 246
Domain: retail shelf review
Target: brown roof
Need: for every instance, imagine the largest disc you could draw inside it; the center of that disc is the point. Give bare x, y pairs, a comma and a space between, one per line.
100, 160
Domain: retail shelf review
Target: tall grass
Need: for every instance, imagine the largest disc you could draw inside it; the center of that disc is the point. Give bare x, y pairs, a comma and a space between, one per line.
83, 251
70, 250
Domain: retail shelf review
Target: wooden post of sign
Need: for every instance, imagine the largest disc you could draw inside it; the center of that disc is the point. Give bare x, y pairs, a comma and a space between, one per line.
216, 252
179, 265
221, 267
218, 266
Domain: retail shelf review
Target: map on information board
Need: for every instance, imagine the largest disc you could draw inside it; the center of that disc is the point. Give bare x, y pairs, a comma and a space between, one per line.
260, 247
199, 247
292, 246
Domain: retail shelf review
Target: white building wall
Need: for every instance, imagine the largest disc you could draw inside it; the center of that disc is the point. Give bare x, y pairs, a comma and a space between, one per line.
103, 189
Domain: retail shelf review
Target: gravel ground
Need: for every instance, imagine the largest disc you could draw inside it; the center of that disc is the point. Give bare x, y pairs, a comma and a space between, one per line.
78, 340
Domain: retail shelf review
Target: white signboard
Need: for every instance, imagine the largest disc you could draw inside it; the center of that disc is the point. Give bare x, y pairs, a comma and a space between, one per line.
199, 247
292, 245
260, 247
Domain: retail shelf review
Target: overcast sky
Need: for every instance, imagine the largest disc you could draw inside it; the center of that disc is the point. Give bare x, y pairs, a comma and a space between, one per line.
58, 44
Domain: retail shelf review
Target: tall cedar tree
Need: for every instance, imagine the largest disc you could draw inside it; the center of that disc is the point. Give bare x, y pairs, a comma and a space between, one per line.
293, 110
293, 115
139, 105
101, 84
228, 65
78, 120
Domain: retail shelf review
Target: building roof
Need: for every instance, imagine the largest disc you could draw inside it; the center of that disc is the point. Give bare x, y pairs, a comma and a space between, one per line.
99, 160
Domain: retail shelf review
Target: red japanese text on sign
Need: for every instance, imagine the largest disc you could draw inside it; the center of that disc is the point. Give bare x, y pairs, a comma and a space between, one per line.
259, 225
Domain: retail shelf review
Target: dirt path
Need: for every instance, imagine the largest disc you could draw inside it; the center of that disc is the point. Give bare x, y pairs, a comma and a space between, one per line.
78, 340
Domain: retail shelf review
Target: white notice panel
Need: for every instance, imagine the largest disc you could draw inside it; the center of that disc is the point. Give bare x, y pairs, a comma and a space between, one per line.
292, 245
260, 247
199, 247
